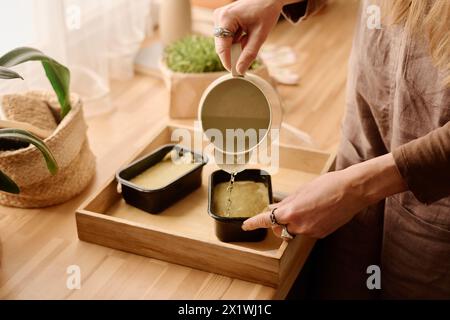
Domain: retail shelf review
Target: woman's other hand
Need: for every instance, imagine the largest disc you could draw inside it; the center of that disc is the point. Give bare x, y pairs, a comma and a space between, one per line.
253, 17
330, 201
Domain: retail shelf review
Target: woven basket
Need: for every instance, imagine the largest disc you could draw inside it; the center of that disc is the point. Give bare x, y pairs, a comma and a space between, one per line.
185, 89
70, 147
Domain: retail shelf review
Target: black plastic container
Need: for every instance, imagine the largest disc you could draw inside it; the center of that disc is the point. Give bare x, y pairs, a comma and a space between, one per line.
229, 229
156, 200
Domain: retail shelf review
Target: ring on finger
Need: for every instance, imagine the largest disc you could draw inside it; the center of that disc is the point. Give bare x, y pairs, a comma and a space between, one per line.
285, 234
273, 219
220, 32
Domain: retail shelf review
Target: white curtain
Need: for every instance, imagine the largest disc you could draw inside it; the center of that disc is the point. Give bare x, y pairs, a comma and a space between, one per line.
96, 39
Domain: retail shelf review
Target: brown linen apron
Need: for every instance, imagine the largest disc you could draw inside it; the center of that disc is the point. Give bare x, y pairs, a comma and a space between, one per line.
394, 95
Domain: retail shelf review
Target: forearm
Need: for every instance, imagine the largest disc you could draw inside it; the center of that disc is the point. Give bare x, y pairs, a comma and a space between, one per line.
424, 164
375, 179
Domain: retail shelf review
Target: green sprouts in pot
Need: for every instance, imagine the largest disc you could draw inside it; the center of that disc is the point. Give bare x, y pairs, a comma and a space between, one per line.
195, 54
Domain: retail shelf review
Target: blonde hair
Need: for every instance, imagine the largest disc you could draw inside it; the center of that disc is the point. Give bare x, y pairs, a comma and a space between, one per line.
430, 18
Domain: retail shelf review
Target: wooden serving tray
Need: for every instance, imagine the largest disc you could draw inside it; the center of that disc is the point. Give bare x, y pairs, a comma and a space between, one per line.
184, 233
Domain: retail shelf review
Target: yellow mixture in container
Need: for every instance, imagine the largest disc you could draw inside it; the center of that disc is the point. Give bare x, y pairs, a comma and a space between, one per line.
164, 172
248, 198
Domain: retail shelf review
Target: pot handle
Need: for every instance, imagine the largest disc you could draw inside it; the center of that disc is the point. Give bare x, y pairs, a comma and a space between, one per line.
235, 54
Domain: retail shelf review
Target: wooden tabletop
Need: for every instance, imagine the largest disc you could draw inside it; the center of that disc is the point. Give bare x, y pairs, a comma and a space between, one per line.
38, 245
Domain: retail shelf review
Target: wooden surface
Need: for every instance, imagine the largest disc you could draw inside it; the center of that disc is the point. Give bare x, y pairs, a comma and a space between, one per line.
38, 245
184, 232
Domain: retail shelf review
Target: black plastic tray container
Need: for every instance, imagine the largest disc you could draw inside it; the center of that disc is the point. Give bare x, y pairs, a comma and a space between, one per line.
229, 229
156, 200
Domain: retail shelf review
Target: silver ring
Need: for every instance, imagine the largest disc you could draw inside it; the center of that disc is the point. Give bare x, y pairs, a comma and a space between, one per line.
285, 234
220, 32
273, 219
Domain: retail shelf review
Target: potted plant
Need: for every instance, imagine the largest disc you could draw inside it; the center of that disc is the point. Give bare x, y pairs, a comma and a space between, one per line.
188, 67
26, 180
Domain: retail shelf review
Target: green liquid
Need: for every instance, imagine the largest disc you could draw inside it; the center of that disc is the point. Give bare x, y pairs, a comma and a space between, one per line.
247, 199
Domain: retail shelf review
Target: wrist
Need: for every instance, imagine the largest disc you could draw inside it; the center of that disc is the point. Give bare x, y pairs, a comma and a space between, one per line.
375, 179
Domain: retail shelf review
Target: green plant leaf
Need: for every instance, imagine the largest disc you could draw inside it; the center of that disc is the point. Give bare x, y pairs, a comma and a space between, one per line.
6, 73
7, 185
57, 74
28, 137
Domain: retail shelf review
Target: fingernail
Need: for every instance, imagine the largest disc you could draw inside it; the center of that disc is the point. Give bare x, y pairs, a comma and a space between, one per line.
240, 68
244, 227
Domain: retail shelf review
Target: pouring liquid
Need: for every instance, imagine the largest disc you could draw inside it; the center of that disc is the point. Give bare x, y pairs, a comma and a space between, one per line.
233, 166
229, 191
233, 169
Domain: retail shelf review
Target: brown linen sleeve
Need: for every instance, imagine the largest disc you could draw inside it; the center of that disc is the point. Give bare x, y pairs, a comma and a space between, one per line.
299, 11
424, 163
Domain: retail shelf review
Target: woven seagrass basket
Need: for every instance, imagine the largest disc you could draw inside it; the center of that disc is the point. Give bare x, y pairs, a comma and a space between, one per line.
70, 147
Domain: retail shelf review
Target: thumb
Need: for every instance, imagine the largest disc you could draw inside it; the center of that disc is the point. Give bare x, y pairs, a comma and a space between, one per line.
261, 220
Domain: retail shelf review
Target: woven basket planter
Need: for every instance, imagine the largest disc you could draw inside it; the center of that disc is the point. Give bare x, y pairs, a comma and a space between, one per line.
185, 89
70, 147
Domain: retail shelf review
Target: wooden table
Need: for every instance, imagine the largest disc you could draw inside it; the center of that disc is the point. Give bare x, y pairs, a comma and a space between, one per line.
38, 245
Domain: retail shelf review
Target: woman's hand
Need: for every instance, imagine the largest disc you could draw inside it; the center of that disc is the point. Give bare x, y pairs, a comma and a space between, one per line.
254, 17
330, 201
